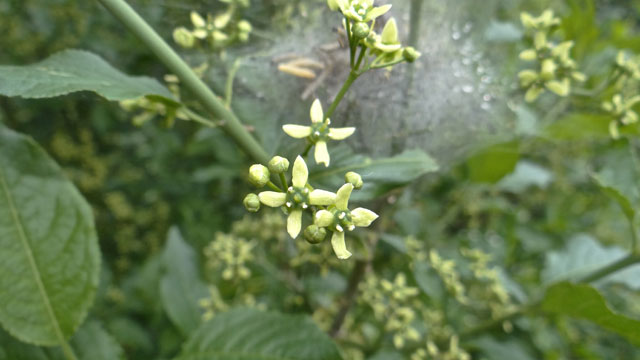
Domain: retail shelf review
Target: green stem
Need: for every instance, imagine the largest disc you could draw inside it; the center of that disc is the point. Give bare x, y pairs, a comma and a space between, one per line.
199, 119
353, 75
395, 62
273, 186
363, 49
306, 150
351, 52
283, 180
611, 268
229, 84
212, 103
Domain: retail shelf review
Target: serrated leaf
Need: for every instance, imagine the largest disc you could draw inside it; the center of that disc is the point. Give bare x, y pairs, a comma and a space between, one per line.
249, 334
50, 260
584, 255
494, 162
181, 286
379, 175
75, 70
93, 342
584, 302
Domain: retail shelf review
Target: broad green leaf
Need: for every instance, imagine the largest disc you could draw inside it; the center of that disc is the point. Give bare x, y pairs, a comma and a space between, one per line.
75, 70
493, 163
50, 260
584, 255
525, 175
181, 286
577, 126
619, 179
249, 334
379, 175
428, 280
92, 342
12, 349
584, 302
493, 349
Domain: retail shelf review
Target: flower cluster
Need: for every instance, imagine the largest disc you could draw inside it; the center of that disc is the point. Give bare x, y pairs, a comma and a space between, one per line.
229, 255
554, 68
218, 31
450, 277
620, 107
431, 351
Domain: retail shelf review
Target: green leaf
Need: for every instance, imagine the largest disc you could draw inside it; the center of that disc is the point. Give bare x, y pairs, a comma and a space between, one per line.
181, 286
92, 342
12, 349
493, 163
50, 260
428, 280
584, 255
249, 334
619, 179
579, 126
584, 302
379, 175
526, 175
513, 349
75, 70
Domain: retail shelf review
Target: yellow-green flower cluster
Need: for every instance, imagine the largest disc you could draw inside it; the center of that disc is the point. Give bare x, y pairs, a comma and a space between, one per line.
621, 105
628, 65
553, 67
218, 31
622, 113
393, 304
446, 269
215, 304
432, 352
229, 255
330, 210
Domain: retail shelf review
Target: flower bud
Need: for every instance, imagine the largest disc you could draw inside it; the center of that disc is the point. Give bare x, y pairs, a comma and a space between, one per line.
184, 37
314, 234
259, 175
410, 54
251, 202
354, 179
360, 30
278, 165
244, 26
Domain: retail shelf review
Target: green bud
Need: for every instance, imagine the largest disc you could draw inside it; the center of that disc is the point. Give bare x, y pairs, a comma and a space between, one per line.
410, 55
244, 26
259, 175
184, 37
251, 202
360, 30
278, 165
354, 179
314, 234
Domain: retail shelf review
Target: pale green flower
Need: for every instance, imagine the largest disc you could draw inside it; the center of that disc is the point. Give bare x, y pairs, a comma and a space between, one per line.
318, 133
297, 198
339, 218
622, 111
359, 10
629, 64
387, 41
543, 22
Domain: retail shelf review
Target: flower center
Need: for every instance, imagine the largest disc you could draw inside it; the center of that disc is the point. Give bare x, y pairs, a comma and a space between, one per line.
319, 131
297, 198
342, 220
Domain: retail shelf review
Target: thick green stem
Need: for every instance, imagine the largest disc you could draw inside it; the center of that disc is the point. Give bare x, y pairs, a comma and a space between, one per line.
212, 103
352, 77
611, 268
198, 118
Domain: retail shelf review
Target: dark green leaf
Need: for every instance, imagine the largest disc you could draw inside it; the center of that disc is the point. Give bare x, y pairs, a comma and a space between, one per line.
428, 280
92, 342
248, 334
75, 70
12, 349
584, 302
50, 260
181, 286
493, 163
576, 126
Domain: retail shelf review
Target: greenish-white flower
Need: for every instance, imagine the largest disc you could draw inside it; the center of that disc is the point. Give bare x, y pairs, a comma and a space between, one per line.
543, 22
622, 111
297, 198
629, 64
318, 133
259, 175
359, 10
338, 219
387, 41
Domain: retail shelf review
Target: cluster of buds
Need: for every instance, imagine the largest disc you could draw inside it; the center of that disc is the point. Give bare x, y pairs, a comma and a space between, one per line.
329, 210
218, 31
450, 277
229, 256
392, 303
620, 106
431, 351
554, 68
622, 113
360, 17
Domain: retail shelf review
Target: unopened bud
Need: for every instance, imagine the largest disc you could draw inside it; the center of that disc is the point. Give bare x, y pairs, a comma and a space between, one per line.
410, 54
278, 165
360, 30
251, 202
259, 175
314, 234
354, 179
244, 26
184, 37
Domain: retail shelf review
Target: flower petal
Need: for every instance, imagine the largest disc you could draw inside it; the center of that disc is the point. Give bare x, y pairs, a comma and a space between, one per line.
342, 197
297, 131
341, 133
272, 198
316, 112
197, 20
339, 246
321, 153
294, 223
390, 32
324, 218
533, 93
322, 197
376, 12
363, 217
300, 173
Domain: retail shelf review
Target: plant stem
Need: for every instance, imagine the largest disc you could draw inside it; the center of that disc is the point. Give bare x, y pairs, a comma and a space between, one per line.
273, 186
283, 180
212, 103
229, 84
611, 268
356, 276
353, 75
306, 150
199, 119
